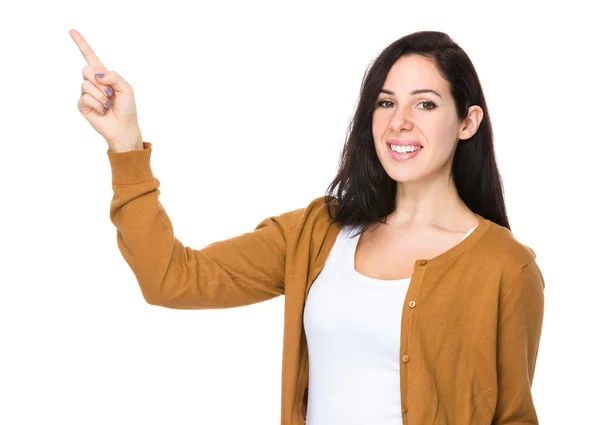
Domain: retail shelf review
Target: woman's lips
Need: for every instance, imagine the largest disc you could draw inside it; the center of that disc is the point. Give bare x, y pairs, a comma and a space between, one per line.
401, 157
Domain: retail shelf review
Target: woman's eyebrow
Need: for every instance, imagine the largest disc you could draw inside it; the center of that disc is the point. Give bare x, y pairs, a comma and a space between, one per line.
412, 93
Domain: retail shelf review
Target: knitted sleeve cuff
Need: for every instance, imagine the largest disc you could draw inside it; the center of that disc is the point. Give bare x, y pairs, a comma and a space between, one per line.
132, 166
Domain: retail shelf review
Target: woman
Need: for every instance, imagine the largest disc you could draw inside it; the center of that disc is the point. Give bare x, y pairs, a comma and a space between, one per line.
432, 315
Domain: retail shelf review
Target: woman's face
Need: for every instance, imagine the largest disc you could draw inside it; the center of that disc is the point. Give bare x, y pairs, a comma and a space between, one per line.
424, 117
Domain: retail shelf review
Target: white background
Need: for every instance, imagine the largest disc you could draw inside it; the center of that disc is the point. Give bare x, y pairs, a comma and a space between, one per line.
246, 105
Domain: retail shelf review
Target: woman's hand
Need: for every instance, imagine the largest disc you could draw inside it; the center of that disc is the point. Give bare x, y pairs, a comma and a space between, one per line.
107, 102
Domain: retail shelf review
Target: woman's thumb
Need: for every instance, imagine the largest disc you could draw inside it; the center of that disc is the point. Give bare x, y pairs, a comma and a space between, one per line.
113, 79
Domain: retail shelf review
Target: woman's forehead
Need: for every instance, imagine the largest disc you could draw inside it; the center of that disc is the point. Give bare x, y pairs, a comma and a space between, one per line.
412, 73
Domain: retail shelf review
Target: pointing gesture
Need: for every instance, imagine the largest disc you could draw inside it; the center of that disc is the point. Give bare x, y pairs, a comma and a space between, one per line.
107, 101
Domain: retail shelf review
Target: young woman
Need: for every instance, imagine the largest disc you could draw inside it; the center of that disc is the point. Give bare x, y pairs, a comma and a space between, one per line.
405, 289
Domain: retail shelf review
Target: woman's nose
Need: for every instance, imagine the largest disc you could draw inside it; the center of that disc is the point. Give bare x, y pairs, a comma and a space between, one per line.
400, 120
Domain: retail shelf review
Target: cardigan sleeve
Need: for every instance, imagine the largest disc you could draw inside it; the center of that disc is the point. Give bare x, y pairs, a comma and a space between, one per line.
239, 271
519, 331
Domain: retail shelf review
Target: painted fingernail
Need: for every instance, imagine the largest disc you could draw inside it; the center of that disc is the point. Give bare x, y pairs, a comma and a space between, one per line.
108, 104
105, 111
100, 75
109, 91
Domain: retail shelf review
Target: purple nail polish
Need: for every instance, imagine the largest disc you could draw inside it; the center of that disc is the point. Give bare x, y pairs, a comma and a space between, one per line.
105, 111
109, 91
108, 104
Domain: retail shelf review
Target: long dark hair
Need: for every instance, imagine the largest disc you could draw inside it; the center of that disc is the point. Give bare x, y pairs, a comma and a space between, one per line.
363, 193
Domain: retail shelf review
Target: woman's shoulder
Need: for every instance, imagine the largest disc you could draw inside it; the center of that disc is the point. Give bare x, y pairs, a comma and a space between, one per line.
312, 218
504, 245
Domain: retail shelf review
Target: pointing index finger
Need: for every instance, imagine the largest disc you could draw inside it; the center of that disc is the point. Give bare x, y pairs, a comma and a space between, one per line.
87, 51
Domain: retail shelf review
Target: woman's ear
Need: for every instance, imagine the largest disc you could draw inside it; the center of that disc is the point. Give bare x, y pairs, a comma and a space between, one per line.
471, 123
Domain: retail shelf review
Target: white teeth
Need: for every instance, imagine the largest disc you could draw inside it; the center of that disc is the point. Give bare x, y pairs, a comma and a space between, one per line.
404, 149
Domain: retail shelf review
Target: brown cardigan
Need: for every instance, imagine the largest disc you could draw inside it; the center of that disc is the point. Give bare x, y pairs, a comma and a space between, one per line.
471, 321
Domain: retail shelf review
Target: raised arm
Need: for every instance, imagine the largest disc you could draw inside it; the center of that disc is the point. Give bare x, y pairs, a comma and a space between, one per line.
242, 270
239, 271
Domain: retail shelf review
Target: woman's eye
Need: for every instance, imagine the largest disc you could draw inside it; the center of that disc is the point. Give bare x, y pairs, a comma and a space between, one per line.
433, 105
382, 102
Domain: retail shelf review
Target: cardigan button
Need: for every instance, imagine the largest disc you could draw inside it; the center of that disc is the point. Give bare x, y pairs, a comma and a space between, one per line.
404, 410
412, 304
405, 358
423, 262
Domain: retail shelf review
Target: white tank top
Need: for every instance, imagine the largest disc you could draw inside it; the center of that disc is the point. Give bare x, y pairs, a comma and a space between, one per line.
352, 326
